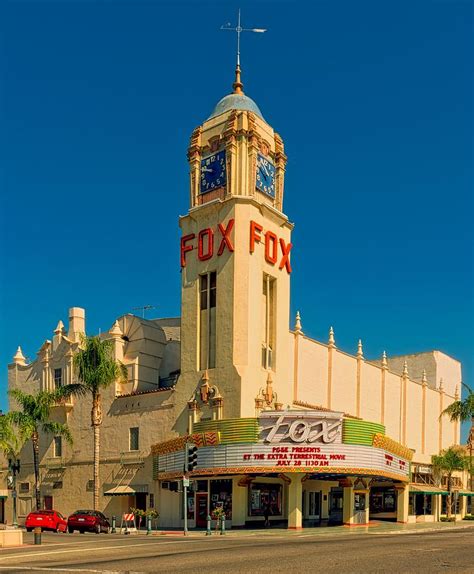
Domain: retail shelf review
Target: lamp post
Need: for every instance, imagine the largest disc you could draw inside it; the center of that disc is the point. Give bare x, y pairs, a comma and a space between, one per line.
14, 468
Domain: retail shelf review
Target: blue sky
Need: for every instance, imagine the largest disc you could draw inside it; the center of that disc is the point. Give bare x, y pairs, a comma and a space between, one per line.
373, 100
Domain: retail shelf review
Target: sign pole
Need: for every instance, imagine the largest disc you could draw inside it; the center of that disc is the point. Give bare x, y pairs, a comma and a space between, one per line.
185, 490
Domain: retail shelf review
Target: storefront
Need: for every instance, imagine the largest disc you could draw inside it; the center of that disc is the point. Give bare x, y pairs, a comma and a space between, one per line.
298, 468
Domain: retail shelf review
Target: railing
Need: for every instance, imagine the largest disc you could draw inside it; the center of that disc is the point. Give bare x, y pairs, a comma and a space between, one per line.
55, 462
66, 402
421, 478
132, 457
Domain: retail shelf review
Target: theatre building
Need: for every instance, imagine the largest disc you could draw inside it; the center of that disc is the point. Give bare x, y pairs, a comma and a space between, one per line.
280, 419
284, 425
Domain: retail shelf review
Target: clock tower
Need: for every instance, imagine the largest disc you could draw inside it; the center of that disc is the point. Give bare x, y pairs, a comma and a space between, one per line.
236, 266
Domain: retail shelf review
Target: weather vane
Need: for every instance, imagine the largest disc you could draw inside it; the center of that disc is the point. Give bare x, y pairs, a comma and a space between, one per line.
238, 84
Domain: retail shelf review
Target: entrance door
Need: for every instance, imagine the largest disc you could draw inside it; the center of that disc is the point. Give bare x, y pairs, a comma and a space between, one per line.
359, 508
140, 498
48, 502
201, 509
314, 505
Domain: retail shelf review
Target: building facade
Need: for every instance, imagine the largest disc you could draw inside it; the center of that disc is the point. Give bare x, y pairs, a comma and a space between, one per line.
286, 426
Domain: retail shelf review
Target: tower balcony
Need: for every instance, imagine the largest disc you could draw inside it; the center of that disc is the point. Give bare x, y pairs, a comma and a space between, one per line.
67, 403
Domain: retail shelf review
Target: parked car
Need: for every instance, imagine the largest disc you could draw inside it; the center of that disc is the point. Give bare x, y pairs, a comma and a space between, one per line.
88, 521
47, 520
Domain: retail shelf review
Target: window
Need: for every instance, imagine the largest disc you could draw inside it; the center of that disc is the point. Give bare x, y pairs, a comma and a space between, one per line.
58, 446
207, 320
134, 438
24, 487
268, 322
58, 378
261, 495
221, 496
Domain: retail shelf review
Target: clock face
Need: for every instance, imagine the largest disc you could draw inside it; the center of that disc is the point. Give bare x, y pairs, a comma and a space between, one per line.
213, 172
265, 176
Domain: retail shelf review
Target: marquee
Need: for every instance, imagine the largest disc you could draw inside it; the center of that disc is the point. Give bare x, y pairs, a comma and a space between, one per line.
294, 441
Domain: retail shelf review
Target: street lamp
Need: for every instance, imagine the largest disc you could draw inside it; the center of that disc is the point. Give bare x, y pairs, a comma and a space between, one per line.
14, 468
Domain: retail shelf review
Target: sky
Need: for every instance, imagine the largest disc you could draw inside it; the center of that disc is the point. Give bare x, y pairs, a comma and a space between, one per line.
373, 99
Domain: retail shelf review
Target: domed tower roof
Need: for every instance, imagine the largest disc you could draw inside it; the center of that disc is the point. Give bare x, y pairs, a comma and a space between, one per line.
237, 100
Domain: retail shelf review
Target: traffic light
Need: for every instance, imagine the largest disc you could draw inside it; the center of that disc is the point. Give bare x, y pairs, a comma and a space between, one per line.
192, 457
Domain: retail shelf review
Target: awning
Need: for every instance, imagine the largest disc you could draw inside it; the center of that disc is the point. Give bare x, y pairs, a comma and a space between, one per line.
426, 489
127, 490
465, 493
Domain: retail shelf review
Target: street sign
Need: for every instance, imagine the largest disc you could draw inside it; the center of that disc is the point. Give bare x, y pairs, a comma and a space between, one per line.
185, 481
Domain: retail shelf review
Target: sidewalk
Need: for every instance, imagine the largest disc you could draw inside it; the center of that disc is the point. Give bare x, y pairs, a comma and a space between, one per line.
375, 528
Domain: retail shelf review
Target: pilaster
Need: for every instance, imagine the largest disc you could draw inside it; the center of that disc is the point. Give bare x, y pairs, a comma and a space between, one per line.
331, 347
295, 492
403, 492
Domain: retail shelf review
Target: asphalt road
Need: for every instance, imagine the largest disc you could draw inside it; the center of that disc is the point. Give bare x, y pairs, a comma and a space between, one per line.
451, 552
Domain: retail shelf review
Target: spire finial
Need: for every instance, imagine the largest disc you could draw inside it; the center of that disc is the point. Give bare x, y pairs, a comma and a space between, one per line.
332, 340
116, 331
18, 357
384, 360
298, 323
360, 352
424, 380
59, 327
405, 369
237, 85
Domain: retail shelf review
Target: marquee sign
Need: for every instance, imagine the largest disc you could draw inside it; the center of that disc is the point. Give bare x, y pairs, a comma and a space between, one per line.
300, 427
324, 458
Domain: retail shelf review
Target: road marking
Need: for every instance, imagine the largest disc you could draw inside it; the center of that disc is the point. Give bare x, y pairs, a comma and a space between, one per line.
72, 550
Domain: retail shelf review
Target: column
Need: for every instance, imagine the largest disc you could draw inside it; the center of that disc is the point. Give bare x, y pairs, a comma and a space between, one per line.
192, 414
331, 347
436, 506
240, 488
462, 505
403, 491
360, 358
440, 419
295, 497
348, 501
298, 332
382, 390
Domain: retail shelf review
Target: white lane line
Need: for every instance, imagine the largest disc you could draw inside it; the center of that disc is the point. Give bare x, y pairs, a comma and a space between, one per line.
50, 552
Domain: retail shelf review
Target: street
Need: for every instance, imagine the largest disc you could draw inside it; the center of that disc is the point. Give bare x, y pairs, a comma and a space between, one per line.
442, 551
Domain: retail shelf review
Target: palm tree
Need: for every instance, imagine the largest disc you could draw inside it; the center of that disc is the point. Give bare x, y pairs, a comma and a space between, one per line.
34, 417
463, 410
11, 443
445, 463
96, 369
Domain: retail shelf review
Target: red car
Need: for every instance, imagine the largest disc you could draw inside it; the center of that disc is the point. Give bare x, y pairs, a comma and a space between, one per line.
88, 521
47, 520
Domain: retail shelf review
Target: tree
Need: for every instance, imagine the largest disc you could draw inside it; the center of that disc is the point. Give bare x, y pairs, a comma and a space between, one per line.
463, 410
11, 443
96, 369
34, 417
445, 463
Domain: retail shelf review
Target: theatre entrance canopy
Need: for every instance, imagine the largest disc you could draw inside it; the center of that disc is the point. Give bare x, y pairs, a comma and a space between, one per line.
318, 443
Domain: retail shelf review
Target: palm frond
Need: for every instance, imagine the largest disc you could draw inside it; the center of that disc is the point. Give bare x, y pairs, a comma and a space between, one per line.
24, 423
58, 429
95, 365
